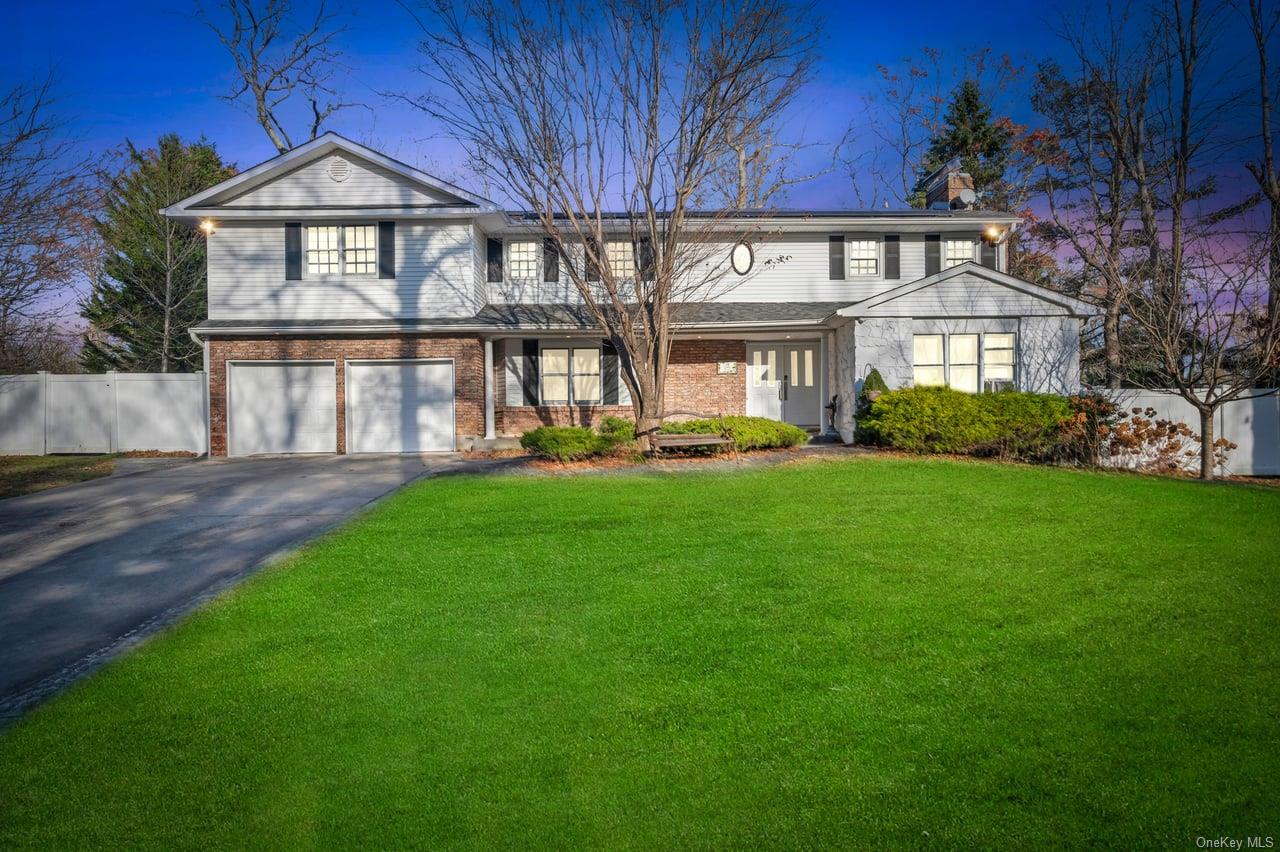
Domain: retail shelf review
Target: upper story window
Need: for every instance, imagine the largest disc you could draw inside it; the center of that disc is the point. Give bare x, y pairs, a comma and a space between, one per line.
956, 252
622, 259
342, 249
864, 257
522, 259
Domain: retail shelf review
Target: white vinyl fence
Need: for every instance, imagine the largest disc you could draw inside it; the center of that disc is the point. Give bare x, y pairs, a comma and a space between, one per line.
103, 413
1252, 424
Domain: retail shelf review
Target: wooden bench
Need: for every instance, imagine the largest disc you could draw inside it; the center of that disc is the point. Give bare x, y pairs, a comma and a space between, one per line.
663, 441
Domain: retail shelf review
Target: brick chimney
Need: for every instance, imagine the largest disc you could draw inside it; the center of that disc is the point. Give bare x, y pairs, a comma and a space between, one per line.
943, 188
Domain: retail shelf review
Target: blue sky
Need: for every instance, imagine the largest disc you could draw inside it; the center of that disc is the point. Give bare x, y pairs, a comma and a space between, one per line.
137, 69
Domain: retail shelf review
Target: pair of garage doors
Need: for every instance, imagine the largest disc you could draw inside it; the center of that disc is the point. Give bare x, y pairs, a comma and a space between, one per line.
291, 407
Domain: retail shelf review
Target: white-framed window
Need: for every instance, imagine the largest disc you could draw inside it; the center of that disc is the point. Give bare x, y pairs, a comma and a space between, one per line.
966, 362
341, 249
929, 365
622, 258
998, 361
962, 364
522, 260
323, 254
956, 252
864, 257
360, 249
570, 375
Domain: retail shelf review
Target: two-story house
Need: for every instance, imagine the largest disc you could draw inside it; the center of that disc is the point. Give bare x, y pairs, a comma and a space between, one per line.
359, 305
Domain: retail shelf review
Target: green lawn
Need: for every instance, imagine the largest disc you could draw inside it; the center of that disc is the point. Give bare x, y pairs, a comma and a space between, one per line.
28, 474
875, 652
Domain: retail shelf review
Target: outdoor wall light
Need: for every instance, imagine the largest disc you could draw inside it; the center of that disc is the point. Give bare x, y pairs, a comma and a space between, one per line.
208, 227
993, 234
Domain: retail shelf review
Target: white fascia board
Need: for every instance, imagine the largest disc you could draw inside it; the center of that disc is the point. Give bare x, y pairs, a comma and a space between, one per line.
196, 205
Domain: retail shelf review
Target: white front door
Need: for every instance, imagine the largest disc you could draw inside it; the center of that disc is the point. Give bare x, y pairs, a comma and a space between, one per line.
276, 407
783, 382
400, 406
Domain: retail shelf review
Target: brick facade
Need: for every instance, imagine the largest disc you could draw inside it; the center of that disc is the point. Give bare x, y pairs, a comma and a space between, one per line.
693, 385
468, 372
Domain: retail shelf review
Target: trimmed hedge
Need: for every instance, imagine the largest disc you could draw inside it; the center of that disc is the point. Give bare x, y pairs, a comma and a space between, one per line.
942, 420
618, 429
565, 443
748, 433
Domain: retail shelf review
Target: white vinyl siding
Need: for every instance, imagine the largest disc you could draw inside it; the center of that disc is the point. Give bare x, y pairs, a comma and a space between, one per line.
366, 185
433, 277
966, 295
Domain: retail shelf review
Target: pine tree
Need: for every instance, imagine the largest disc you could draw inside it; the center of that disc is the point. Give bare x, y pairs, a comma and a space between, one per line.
969, 133
152, 286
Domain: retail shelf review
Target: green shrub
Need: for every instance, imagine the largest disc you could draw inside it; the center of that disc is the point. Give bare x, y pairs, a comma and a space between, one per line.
942, 420
748, 433
565, 443
617, 429
873, 383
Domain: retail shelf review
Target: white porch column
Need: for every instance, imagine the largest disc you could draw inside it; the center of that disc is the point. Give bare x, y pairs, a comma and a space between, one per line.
488, 389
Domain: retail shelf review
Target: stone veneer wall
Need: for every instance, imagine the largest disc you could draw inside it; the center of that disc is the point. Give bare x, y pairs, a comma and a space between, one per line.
468, 372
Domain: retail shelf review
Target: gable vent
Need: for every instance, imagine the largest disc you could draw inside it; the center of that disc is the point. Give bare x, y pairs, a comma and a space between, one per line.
339, 169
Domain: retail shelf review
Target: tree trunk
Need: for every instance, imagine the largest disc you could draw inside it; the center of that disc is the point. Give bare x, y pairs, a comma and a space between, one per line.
1206, 443
1111, 344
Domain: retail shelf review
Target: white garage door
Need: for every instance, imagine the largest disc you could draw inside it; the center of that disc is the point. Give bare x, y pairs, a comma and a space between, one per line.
400, 406
282, 408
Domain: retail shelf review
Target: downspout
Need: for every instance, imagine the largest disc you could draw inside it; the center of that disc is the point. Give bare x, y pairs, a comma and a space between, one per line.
208, 428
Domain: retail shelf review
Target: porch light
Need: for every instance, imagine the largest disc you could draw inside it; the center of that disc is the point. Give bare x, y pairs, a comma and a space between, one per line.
208, 227
992, 234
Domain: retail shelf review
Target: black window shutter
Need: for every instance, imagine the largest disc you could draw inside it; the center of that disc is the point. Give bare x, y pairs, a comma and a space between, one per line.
529, 371
550, 261
835, 256
987, 254
608, 374
892, 256
293, 251
494, 261
386, 249
591, 267
932, 253
644, 258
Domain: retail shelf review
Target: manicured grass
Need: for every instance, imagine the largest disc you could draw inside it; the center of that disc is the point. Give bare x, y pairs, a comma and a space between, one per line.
870, 652
28, 474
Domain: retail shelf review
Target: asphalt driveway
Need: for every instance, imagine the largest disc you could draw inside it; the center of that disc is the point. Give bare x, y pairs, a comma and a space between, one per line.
90, 569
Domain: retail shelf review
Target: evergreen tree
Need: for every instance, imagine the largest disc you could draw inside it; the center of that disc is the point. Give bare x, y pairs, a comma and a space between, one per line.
152, 286
969, 133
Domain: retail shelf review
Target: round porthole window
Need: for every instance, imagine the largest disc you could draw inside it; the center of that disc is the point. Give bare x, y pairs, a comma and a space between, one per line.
742, 258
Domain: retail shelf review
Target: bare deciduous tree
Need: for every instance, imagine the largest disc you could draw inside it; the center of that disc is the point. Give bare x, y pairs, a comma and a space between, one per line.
629, 106
1263, 25
1203, 303
277, 56
41, 202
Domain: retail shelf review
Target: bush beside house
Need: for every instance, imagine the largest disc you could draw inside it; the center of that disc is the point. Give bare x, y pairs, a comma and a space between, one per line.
747, 433
574, 443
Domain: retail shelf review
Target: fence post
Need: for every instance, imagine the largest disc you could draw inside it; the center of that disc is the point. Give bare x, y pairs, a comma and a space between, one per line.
113, 443
44, 412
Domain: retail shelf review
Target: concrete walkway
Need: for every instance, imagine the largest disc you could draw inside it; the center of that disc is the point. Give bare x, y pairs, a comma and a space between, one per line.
89, 570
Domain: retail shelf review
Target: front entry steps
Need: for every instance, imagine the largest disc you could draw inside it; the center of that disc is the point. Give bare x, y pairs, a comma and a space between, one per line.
483, 444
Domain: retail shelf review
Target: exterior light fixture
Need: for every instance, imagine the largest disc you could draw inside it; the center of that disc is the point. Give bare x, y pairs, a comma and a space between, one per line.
207, 227
993, 234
